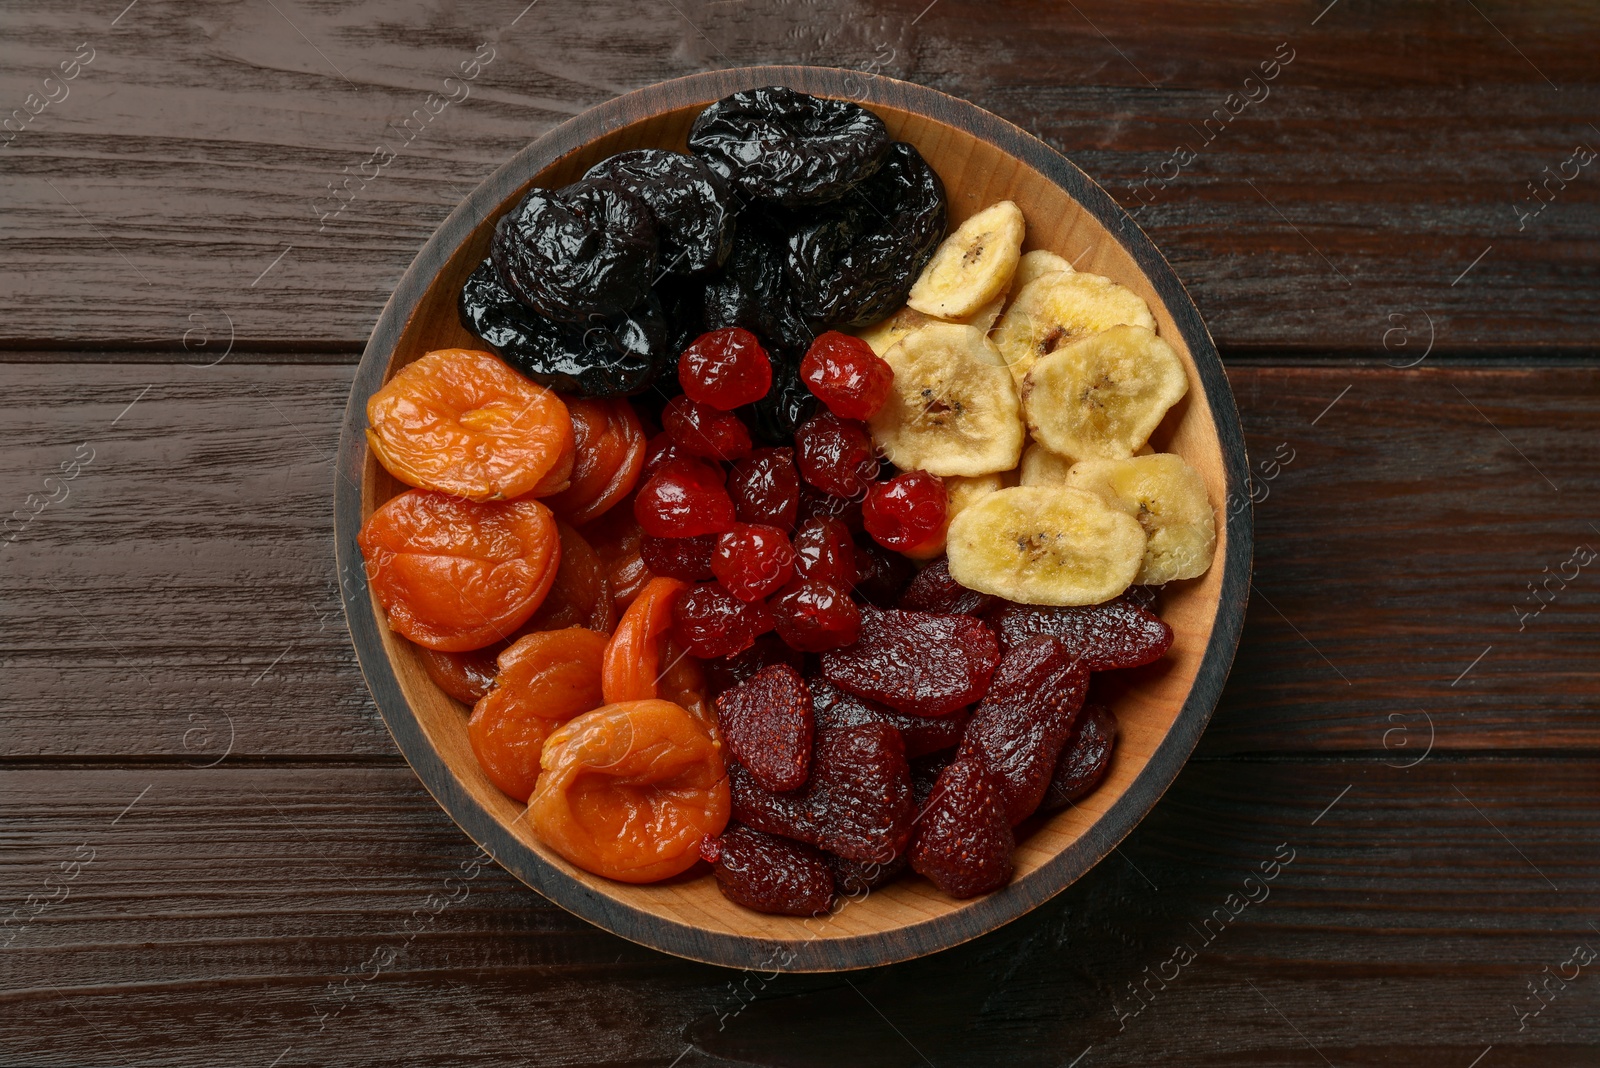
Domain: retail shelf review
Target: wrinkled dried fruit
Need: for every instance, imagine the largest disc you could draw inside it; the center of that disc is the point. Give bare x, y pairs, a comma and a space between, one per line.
1025, 719
813, 616
752, 560
964, 842
465, 676
917, 662
616, 536
633, 656
709, 621
701, 430
846, 375
857, 878
815, 504
836, 455
608, 454
834, 707
881, 575
586, 249
776, 144
787, 814
767, 725
683, 499
1084, 760
787, 405
769, 874
752, 291
725, 368
933, 590
765, 487
906, 512
579, 597
726, 672
825, 552
680, 558
1116, 634
692, 205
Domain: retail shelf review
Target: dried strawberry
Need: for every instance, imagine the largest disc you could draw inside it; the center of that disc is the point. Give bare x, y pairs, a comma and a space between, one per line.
854, 878
1117, 634
925, 772
723, 673
933, 590
767, 723
964, 842
787, 814
922, 734
1084, 760
860, 792
917, 662
769, 874
1025, 719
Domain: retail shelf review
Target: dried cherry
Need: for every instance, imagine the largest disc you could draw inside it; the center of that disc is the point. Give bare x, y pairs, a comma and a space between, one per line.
769, 874
933, 590
1084, 760
709, 621
906, 511
836, 455
776, 144
767, 723
1026, 717
587, 249
917, 662
964, 842
680, 558
813, 616
752, 560
1116, 634
682, 499
846, 375
765, 487
724, 673
692, 204
825, 552
882, 575
725, 368
701, 430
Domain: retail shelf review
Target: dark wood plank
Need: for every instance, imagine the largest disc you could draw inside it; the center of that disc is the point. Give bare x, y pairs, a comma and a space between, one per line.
187, 581
221, 914
195, 149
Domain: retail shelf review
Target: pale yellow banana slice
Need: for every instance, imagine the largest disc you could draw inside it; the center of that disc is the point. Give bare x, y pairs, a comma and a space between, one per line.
953, 409
1037, 264
1099, 398
961, 492
972, 266
984, 318
1045, 545
885, 335
1041, 467
1058, 309
1168, 498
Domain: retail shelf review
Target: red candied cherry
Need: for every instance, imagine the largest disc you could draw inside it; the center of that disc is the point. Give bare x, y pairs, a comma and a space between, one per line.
725, 368
710, 622
825, 552
702, 430
835, 455
906, 511
753, 560
659, 451
814, 504
846, 375
766, 488
813, 616
683, 499
688, 559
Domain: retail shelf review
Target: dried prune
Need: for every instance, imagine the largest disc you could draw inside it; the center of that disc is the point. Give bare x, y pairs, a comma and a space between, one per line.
917, 662
856, 878
775, 144
1084, 760
1025, 720
787, 404
615, 356
933, 590
964, 841
922, 735
860, 792
854, 264
1116, 634
769, 874
692, 204
585, 249
725, 672
753, 291
767, 724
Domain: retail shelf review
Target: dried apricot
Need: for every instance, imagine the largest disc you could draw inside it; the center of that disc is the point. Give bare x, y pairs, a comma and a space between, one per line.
453, 574
465, 676
683, 682
609, 452
617, 537
630, 790
579, 597
460, 421
633, 660
545, 679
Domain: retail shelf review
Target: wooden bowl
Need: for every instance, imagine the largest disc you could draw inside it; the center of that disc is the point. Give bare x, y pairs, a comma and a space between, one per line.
981, 159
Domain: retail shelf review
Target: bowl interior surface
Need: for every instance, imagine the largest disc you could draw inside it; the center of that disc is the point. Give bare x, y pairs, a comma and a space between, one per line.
908, 916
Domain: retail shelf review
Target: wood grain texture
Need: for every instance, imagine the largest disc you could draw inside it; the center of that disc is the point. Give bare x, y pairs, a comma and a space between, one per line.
197, 549
325, 915
199, 145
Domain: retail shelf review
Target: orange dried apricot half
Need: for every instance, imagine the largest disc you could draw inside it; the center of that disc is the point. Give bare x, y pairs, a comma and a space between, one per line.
545, 679
580, 587
630, 790
453, 574
633, 660
462, 422
609, 443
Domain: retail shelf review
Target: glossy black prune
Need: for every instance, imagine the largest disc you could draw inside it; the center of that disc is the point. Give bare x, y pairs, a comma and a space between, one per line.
753, 291
586, 249
777, 145
617, 356
788, 403
855, 263
692, 205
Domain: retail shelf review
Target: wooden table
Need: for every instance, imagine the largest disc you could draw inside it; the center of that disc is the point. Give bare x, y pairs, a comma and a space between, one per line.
214, 852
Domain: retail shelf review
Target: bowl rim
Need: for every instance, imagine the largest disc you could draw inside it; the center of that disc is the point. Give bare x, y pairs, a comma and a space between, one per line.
751, 951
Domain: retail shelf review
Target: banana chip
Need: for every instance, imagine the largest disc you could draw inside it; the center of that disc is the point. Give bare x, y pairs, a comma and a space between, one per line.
1037, 264
973, 265
1057, 309
953, 409
1045, 545
1168, 498
1041, 467
1101, 397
